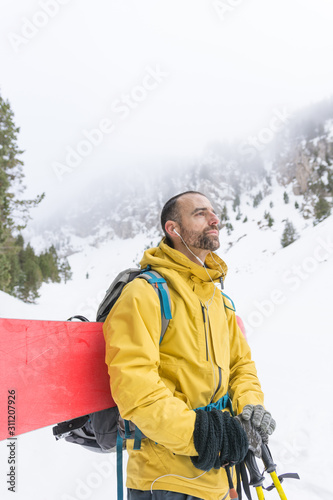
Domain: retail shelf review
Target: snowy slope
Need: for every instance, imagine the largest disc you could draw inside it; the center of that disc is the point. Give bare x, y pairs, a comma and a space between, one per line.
284, 297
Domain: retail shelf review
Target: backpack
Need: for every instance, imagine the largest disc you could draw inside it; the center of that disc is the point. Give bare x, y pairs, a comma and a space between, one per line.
105, 430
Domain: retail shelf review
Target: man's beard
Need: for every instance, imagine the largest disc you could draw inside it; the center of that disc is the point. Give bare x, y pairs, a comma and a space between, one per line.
202, 241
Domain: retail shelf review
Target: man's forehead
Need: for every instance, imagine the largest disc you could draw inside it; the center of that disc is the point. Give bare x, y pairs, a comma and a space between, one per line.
191, 201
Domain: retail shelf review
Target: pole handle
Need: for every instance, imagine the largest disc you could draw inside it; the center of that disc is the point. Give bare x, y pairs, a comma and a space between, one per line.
267, 458
256, 479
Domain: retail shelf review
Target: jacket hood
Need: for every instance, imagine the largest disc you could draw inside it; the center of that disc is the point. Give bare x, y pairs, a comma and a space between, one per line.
164, 256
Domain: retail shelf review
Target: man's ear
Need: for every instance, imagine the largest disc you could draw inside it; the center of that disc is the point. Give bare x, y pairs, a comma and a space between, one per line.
170, 227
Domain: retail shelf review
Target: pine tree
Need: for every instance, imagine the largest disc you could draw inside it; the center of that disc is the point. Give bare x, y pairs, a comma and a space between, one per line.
236, 202
286, 197
65, 270
289, 234
269, 218
14, 212
229, 228
49, 265
21, 270
4, 273
257, 199
239, 214
322, 209
31, 276
224, 214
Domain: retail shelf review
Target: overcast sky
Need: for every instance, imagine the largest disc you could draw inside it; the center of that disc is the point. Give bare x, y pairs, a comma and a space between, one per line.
110, 85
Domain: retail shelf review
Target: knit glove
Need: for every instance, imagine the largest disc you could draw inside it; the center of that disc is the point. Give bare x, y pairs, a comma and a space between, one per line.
258, 425
219, 440
260, 418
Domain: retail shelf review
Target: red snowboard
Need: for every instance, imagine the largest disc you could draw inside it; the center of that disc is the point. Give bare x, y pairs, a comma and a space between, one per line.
50, 371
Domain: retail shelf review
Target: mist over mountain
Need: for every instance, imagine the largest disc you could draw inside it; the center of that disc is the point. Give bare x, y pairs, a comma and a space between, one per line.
245, 180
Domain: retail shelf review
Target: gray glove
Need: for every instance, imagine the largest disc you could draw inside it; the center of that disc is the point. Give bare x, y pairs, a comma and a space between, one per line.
260, 418
258, 424
253, 435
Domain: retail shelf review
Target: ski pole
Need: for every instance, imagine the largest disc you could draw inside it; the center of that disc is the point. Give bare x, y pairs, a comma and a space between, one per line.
270, 467
232, 491
256, 479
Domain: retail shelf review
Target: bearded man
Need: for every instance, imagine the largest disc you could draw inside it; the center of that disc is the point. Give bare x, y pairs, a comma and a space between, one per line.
182, 393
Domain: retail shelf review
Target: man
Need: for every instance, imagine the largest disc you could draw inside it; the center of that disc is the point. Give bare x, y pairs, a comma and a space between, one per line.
202, 357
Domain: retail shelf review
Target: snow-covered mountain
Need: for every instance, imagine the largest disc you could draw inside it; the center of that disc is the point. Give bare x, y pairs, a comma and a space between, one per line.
284, 297
282, 294
251, 187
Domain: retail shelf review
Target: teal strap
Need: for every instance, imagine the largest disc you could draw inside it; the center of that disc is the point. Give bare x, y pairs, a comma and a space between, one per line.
120, 487
119, 448
221, 404
137, 439
127, 430
164, 299
233, 305
161, 288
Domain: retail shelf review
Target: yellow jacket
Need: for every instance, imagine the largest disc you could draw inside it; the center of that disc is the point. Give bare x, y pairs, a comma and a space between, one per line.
202, 356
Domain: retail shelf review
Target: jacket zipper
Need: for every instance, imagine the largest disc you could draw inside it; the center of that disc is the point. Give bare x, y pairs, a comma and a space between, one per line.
205, 328
207, 357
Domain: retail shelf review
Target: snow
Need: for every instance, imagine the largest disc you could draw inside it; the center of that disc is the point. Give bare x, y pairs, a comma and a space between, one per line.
283, 296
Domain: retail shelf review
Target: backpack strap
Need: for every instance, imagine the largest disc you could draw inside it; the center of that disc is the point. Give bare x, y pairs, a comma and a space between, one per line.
68, 426
120, 487
233, 308
160, 286
80, 318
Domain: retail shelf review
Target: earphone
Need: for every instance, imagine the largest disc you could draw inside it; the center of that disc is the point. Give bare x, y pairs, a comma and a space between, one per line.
202, 263
207, 304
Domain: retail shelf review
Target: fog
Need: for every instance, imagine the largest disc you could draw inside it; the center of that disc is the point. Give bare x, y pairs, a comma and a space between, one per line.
117, 91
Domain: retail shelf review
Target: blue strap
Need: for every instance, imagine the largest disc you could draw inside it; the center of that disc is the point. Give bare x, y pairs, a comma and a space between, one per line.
233, 305
137, 439
221, 404
120, 487
165, 305
127, 430
164, 301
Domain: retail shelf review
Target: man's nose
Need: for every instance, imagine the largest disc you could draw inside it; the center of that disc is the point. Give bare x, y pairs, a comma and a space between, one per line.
214, 220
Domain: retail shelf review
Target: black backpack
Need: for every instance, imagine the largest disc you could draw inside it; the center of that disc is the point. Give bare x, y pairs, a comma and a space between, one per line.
102, 431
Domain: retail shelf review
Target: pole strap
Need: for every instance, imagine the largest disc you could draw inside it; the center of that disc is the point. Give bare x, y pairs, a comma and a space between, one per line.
281, 477
120, 487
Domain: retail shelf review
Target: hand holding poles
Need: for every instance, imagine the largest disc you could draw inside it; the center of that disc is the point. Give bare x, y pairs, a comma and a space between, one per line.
256, 479
270, 467
258, 425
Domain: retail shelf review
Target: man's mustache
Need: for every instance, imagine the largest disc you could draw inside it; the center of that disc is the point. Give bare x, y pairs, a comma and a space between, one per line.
212, 228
